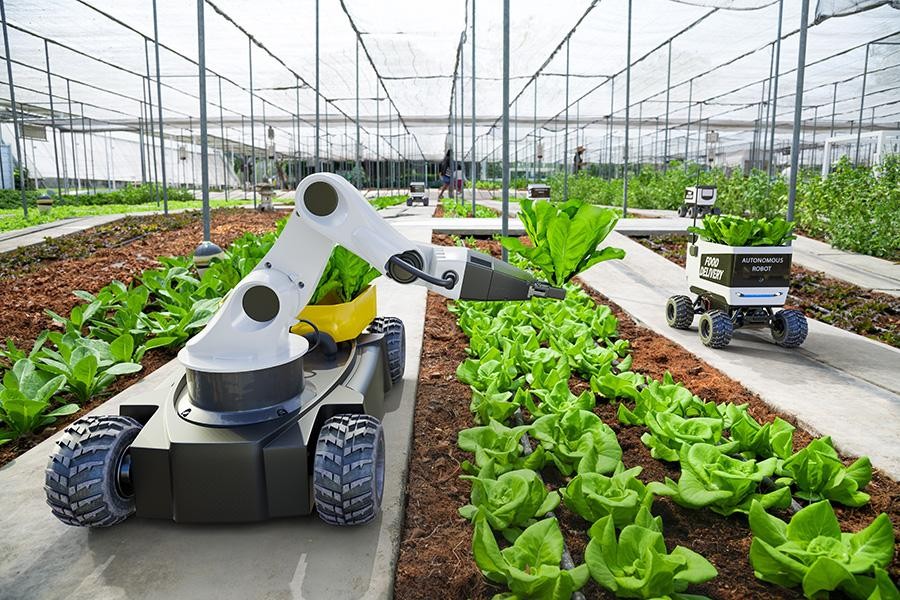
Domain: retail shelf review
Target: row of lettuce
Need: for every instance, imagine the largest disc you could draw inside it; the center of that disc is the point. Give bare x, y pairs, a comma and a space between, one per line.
128, 195
854, 208
521, 359
107, 334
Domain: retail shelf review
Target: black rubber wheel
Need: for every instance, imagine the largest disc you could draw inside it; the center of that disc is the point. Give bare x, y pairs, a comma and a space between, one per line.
682, 211
348, 470
679, 312
82, 481
789, 328
716, 210
716, 329
395, 335
409, 202
425, 202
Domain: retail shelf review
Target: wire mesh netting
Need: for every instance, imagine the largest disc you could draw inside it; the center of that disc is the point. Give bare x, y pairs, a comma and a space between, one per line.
708, 79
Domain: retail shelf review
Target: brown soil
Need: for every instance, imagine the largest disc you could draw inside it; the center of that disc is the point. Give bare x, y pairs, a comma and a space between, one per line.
838, 303
435, 552
48, 284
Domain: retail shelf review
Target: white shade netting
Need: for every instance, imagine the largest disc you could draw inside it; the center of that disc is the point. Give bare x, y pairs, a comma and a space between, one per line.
697, 67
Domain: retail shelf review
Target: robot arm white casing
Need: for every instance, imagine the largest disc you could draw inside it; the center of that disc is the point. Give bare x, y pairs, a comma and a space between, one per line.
251, 329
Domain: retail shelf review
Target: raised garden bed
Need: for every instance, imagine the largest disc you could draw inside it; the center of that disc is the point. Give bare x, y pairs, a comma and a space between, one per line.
43, 276
465, 210
838, 303
436, 559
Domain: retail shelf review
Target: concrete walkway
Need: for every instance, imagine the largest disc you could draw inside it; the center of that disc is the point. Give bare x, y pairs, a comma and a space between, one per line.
838, 383
301, 558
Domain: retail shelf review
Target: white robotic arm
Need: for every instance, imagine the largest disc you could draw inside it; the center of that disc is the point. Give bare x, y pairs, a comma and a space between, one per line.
251, 330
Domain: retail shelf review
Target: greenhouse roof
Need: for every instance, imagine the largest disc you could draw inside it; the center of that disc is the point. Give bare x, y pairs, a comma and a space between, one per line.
415, 63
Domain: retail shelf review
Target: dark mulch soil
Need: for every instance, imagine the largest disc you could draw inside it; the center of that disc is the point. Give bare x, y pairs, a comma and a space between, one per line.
435, 552
44, 276
844, 305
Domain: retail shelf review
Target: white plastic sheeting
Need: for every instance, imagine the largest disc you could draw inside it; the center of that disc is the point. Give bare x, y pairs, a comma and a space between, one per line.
721, 55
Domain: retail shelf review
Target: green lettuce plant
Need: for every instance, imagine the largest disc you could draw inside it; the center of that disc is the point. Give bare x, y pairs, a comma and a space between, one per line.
530, 568
638, 565
344, 277
564, 237
495, 443
569, 437
493, 368
665, 396
738, 231
811, 551
87, 365
669, 433
817, 473
509, 501
493, 404
620, 495
754, 440
726, 485
26, 400
558, 399
612, 386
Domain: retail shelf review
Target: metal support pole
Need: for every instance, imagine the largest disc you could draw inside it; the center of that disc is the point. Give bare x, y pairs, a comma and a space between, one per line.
204, 142
462, 125
91, 142
504, 227
764, 159
265, 142
222, 136
252, 124
798, 109
378, 150
358, 169
862, 104
775, 91
566, 136
609, 129
627, 116
84, 152
71, 131
52, 116
699, 128
537, 161
833, 105
193, 170
474, 173
815, 127
687, 135
152, 122
141, 144
12, 103
668, 91
640, 136
318, 153
162, 139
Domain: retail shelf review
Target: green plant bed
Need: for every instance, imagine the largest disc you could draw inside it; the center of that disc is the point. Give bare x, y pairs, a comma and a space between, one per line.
387, 201
461, 210
11, 220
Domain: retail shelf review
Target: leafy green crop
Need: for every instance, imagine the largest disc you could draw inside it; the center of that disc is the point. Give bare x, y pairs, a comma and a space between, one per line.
665, 396
738, 231
530, 568
564, 237
558, 399
26, 400
492, 369
510, 501
637, 564
500, 445
669, 433
345, 276
763, 441
811, 551
570, 437
87, 365
594, 496
726, 485
612, 386
818, 474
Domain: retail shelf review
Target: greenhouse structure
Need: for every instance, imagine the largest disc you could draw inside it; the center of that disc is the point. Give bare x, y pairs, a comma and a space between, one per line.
334, 299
